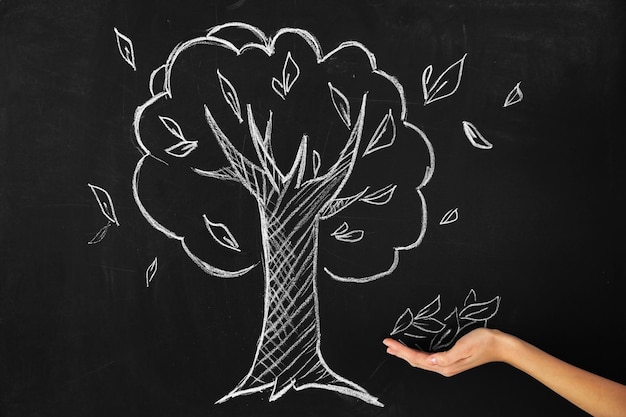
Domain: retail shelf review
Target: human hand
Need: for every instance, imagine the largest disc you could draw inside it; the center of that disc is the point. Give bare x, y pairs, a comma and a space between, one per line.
478, 347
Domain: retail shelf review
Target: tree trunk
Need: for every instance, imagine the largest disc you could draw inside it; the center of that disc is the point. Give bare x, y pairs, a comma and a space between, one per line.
288, 352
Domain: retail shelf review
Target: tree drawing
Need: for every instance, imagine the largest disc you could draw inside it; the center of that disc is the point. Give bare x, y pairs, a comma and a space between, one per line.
265, 152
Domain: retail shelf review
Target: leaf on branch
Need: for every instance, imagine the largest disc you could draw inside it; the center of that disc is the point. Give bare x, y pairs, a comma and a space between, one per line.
380, 197
151, 271
384, 136
481, 311
173, 127
339, 204
100, 235
317, 162
182, 148
515, 96
341, 104
450, 217
431, 309
474, 136
343, 234
230, 95
403, 322
104, 201
447, 83
225, 173
125, 47
221, 234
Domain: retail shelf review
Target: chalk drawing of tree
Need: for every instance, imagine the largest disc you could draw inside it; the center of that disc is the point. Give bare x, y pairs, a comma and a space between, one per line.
263, 151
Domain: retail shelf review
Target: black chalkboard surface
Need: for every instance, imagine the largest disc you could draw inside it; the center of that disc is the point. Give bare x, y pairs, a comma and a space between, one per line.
221, 208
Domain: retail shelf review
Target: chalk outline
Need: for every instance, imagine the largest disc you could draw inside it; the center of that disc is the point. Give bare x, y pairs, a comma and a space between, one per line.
128, 54
246, 173
515, 96
430, 96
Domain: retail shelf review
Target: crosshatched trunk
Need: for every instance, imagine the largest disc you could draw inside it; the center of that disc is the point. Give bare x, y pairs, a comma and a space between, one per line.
288, 352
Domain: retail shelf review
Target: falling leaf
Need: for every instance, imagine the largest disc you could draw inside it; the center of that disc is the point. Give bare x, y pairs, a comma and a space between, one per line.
277, 86
428, 325
230, 95
341, 104
481, 311
221, 234
447, 83
515, 96
428, 71
403, 322
446, 337
343, 234
474, 136
125, 47
182, 148
339, 204
341, 229
471, 297
317, 162
380, 197
104, 201
100, 235
173, 127
151, 271
431, 309
384, 136
450, 217
351, 237
291, 72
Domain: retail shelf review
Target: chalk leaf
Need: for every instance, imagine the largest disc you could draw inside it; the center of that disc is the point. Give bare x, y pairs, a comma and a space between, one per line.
445, 85
481, 311
341, 104
221, 234
475, 137
380, 197
514, 96
450, 217
125, 48
230, 95
104, 202
151, 271
384, 136
100, 235
182, 148
403, 322
291, 72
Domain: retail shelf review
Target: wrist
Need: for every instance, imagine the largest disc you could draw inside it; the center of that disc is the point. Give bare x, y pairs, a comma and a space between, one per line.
505, 347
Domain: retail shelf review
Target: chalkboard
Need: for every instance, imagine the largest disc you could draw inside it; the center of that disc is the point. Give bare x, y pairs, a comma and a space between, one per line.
221, 208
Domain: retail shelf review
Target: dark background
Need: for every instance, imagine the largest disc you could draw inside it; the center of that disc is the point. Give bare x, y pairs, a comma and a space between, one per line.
541, 214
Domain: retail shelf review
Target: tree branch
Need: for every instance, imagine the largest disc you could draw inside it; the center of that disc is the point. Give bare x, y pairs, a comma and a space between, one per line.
338, 174
248, 174
261, 146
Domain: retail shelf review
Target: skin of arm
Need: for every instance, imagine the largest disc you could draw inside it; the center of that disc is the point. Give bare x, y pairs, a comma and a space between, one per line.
592, 393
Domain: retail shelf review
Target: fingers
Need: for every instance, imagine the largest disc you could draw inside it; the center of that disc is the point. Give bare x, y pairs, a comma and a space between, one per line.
414, 357
444, 363
474, 349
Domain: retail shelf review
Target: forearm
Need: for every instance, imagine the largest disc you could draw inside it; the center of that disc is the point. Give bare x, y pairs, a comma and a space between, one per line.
592, 393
